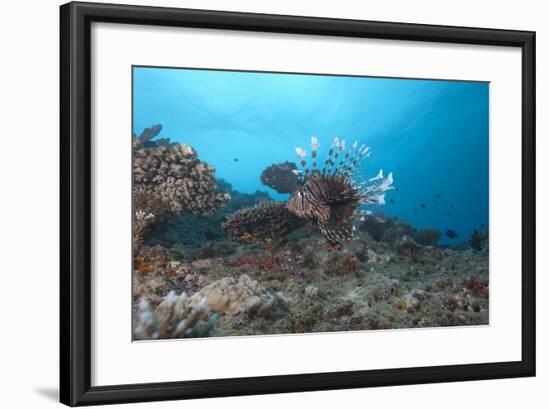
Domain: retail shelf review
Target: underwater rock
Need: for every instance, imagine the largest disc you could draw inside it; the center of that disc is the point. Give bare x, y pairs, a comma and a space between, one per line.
407, 247
385, 229
234, 296
379, 287
340, 264
177, 316
411, 300
429, 255
267, 223
395, 231
306, 315
461, 301
212, 250
280, 177
375, 226
477, 286
149, 259
427, 237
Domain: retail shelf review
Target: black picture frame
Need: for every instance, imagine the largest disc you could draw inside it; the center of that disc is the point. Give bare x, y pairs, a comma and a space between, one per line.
75, 203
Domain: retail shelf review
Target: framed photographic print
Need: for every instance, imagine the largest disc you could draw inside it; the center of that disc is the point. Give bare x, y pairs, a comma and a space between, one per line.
262, 203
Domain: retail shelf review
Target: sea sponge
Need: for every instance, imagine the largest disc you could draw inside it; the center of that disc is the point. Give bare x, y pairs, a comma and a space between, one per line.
280, 176
267, 223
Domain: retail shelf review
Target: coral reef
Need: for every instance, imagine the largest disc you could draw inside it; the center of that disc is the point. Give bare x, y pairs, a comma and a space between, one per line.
173, 180
188, 231
210, 261
267, 223
303, 286
281, 177
169, 179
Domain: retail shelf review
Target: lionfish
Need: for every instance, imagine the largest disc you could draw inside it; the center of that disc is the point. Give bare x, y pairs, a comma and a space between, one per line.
330, 196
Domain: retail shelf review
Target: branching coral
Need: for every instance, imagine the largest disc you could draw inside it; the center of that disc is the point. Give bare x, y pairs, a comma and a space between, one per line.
267, 223
281, 177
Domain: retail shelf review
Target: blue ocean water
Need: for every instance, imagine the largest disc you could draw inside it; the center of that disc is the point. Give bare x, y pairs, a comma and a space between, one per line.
433, 135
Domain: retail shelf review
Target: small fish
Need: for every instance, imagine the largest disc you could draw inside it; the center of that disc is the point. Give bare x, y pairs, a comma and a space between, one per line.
414, 211
448, 213
392, 201
236, 159
451, 234
437, 195
380, 220
423, 206
396, 189
362, 219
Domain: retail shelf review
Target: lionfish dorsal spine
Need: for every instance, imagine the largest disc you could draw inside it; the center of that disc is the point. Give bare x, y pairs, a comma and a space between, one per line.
329, 161
336, 164
302, 155
344, 167
352, 162
314, 146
